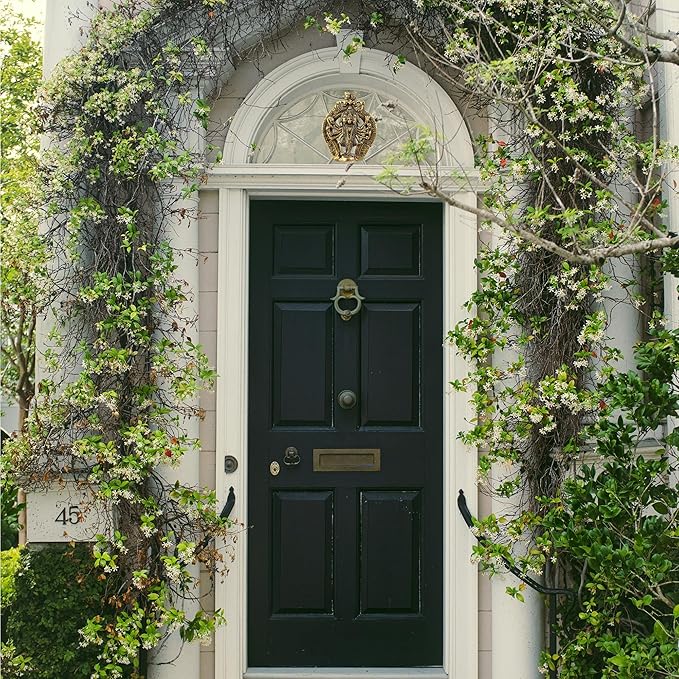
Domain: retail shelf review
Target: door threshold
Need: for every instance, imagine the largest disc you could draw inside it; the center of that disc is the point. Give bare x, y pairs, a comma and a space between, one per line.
346, 672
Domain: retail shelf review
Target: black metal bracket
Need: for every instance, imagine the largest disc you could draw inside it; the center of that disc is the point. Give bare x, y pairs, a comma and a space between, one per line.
533, 584
224, 514
551, 592
228, 505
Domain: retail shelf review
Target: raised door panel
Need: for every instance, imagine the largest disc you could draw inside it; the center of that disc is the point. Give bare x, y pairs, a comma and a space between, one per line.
390, 365
304, 250
302, 549
302, 364
390, 570
391, 250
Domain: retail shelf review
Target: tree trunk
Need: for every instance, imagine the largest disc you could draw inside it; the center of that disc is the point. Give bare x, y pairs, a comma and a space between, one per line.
24, 405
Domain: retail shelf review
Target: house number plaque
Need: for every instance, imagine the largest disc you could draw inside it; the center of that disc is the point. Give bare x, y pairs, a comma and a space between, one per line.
64, 515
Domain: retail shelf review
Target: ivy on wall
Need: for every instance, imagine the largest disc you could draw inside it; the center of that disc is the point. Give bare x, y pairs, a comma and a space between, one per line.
127, 116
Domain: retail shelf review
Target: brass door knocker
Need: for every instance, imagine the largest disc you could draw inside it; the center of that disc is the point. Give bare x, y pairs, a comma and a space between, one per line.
347, 289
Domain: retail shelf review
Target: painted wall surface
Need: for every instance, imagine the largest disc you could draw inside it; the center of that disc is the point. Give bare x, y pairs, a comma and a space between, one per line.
9, 415
208, 232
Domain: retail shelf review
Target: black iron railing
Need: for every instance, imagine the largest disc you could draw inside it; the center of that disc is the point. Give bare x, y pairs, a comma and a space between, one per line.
551, 592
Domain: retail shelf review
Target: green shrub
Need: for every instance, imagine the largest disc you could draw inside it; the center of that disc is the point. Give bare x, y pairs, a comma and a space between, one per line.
9, 513
12, 664
615, 529
9, 563
56, 591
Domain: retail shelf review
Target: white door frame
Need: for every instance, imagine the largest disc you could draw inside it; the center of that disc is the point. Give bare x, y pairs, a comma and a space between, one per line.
238, 182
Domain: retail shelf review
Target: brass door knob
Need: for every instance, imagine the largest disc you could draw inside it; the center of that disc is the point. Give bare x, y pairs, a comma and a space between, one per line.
346, 399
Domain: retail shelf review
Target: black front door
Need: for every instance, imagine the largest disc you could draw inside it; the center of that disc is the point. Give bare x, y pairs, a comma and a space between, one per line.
345, 435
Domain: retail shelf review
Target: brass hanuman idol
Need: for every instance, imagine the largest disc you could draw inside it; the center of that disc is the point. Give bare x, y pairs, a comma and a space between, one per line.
348, 130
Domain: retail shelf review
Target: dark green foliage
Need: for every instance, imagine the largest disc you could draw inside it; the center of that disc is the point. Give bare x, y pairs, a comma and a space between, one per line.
616, 529
10, 560
9, 511
56, 591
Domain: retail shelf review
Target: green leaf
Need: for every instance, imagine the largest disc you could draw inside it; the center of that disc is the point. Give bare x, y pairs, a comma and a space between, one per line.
659, 632
620, 660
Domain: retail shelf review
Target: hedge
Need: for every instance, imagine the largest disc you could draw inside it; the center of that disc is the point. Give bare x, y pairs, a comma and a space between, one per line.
52, 600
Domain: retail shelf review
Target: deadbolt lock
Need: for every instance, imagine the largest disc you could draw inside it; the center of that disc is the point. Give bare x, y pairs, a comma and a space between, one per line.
275, 468
291, 457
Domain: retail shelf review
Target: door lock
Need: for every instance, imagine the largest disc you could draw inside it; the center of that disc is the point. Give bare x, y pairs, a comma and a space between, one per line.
291, 457
275, 468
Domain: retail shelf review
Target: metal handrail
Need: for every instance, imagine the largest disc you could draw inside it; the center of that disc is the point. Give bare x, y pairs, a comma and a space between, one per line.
533, 584
551, 592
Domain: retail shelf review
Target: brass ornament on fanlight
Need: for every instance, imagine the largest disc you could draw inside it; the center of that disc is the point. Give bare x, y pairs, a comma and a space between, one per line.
348, 130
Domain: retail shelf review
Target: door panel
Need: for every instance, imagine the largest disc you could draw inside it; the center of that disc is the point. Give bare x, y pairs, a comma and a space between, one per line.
390, 379
388, 251
306, 251
302, 334
345, 566
390, 560
302, 562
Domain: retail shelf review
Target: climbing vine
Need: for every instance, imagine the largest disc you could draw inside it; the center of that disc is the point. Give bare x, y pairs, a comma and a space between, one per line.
561, 221
576, 177
128, 117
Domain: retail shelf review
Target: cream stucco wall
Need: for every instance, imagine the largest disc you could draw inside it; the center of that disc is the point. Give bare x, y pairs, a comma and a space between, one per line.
208, 232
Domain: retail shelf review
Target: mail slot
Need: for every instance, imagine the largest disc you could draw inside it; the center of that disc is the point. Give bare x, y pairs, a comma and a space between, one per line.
346, 459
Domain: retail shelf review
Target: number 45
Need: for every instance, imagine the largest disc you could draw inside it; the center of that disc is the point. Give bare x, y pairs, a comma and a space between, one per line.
74, 515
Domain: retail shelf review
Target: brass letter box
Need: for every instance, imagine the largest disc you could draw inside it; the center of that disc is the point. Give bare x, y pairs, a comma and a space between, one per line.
347, 459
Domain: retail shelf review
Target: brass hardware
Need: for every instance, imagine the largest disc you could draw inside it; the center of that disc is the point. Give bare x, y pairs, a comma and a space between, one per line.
275, 468
346, 399
347, 459
291, 457
348, 130
347, 289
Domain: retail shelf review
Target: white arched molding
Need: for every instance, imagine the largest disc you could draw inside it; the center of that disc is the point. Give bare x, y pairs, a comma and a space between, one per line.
326, 69
238, 181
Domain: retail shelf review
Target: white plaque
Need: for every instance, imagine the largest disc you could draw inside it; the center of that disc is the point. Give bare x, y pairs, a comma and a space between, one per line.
64, 515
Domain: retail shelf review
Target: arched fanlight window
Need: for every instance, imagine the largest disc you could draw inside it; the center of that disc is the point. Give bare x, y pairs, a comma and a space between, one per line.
296, 135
